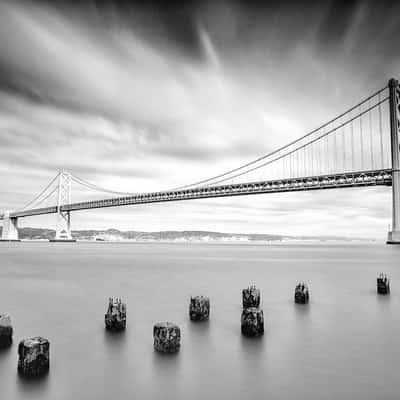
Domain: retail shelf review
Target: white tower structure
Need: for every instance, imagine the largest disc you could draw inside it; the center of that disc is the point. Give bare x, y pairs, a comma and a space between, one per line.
63, 230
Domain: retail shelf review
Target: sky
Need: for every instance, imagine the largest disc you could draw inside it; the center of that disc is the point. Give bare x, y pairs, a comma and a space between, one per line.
143, 96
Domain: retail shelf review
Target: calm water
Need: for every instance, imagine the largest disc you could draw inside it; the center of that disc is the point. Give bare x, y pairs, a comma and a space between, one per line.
343, 345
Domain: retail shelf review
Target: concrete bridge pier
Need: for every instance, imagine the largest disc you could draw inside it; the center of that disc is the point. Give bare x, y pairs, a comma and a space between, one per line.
10, 228
63, 231
394, 104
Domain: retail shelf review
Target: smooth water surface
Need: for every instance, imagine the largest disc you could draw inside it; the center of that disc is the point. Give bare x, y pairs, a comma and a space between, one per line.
343, 345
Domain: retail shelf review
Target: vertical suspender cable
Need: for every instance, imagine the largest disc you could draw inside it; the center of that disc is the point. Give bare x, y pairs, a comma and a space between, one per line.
327, 154
283, 160
312, 159
361, 143
284, 167
343, 150
352, 146
371, 143
380, 130
334, 152
319, 156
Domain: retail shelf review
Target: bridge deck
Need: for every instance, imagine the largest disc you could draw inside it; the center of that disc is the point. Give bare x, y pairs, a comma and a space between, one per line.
332, 181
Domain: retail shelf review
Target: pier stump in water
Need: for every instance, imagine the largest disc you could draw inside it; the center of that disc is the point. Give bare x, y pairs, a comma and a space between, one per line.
301, 294
199, 309
34, 356
6, 330
252, 322
383, 284
167, 337
115, 318
251, 297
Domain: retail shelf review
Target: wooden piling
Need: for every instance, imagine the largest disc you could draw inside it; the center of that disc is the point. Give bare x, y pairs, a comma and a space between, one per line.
34, 356
6, 331
251, 297
383, 284
301, 294
252, 322
167, 337
199, 308
115, 317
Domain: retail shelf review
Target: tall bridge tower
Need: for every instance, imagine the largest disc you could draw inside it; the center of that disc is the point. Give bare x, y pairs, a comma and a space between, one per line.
394, 105
63, 230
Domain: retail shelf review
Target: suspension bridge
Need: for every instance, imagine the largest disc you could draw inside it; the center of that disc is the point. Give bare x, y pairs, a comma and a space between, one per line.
358, 148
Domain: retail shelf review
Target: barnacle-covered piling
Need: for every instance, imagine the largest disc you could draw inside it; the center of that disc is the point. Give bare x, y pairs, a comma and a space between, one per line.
383, 284
115, 318
33, 356
252, 322
167, 337
199, 308
301, 294
251, 297
6, 331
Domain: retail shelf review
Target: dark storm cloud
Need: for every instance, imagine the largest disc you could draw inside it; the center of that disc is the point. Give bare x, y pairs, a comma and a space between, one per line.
337, 21
171, 21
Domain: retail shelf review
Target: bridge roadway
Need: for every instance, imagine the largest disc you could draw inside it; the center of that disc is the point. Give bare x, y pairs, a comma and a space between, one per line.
329, 181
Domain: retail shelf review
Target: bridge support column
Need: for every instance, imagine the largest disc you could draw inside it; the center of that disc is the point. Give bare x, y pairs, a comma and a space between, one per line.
394, 104
63, 230
10, 228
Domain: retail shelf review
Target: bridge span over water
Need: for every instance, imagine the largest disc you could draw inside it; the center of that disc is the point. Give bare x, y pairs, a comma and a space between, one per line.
358, 148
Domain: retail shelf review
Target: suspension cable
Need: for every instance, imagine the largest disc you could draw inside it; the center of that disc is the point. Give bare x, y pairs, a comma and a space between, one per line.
283, 147
94, 187
40, 194
43, 200
326, 134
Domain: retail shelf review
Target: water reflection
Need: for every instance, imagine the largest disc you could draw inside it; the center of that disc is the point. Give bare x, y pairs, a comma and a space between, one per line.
4, 350
114, 336
252, 346
200, 330
302, 311
32, 387
383, 299
167, 374
115, 342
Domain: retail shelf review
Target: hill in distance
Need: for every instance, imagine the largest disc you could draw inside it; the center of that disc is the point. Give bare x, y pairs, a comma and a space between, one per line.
173, 236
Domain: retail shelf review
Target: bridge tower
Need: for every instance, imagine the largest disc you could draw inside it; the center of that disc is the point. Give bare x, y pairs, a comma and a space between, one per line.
394, 104
63, 230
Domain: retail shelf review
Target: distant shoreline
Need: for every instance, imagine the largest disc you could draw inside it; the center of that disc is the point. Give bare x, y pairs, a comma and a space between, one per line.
187, 236
221, 242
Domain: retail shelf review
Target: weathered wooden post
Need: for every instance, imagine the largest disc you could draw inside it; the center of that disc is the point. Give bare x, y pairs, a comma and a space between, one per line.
252, 322
167, 337
199, 309
301, 294
115, 318
251, 297
34, 356
6, 331
383, 284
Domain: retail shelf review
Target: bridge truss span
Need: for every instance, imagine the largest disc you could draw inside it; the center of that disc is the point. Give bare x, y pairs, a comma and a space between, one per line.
327, 181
